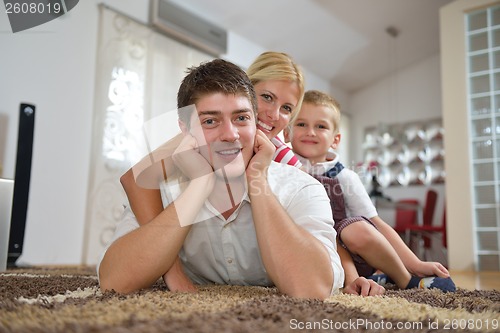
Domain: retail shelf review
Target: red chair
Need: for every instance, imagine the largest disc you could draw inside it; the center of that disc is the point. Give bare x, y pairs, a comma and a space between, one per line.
407, 219
406, 216
428, 216
427, 230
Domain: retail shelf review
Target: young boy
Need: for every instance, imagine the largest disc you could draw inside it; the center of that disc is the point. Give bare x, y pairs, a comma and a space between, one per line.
218, 221
366, 242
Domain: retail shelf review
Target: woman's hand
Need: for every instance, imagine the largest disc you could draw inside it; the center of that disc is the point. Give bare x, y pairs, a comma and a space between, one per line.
364, 287
264, 150
177, 280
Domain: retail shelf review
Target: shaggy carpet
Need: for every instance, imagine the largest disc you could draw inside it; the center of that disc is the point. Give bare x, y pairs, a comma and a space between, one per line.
69, 300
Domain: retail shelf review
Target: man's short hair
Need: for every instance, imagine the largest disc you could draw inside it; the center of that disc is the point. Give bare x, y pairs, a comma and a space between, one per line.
216, 76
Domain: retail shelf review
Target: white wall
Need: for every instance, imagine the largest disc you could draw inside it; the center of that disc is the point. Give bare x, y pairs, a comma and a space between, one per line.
53, 67
413, 93
243, 52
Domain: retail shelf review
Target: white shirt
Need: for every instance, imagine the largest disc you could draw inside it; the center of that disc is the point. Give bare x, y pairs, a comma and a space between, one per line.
223, 251
357, 200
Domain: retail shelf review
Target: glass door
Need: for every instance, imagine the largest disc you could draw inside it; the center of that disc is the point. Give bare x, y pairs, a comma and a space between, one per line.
483, 68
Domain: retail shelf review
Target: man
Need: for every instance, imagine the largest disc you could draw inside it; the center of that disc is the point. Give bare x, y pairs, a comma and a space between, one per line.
239, 218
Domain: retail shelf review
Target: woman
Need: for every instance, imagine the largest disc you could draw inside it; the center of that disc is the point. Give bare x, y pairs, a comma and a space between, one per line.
279, 86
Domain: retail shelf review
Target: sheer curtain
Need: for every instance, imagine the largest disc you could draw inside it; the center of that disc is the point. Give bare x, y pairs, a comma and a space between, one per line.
137, 76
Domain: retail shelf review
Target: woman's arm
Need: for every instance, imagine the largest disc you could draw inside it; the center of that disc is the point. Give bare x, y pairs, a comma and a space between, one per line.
141, 182
351, 273
146, 204
140, 257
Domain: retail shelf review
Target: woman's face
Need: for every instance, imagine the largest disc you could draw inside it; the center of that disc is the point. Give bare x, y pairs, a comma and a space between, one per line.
276, 100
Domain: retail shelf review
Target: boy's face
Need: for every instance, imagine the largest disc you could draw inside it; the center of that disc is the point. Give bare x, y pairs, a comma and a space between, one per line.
225, 131
313, 132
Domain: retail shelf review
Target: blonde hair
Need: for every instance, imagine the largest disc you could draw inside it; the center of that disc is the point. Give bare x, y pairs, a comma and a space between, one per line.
319, 98
277, 66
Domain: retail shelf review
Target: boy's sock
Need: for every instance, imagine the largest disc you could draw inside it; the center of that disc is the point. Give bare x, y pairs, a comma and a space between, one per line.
381, 279
444, 284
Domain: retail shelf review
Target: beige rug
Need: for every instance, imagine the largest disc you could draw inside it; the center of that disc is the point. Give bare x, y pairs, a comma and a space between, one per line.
69, 300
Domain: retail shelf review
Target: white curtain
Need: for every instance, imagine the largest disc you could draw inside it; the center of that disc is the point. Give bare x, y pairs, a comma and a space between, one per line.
137, 77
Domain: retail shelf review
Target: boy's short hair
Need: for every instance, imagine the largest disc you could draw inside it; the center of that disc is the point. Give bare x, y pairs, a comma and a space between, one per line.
319, 98
216, 76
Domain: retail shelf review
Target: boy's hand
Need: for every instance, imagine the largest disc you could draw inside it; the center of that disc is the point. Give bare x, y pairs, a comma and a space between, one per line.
364, 287
264, 150
188, 159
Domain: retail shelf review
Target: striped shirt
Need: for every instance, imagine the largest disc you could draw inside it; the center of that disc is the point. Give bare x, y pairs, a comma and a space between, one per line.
284, 154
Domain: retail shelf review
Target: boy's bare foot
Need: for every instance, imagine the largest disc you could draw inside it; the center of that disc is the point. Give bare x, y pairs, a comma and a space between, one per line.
177, 280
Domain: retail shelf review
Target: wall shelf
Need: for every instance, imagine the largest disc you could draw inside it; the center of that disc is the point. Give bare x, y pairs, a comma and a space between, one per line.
405, 154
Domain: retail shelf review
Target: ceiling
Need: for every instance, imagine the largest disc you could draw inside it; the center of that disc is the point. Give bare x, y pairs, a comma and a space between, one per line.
342, 41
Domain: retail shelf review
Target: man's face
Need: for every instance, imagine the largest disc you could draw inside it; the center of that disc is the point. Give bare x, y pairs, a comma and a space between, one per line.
224, 128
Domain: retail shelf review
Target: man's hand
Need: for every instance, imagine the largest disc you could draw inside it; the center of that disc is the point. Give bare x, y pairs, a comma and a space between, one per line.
364, 287
188, 159
264, 151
